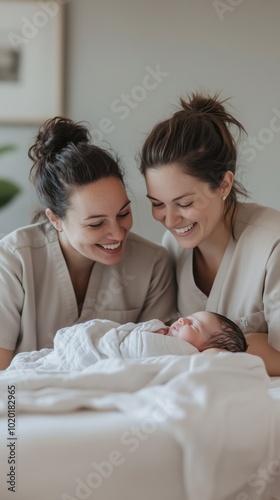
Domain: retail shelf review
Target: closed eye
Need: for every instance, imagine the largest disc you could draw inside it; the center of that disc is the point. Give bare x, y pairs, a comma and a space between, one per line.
157, 205
181, 205
185, 205
195, 326
96, 225
119, 216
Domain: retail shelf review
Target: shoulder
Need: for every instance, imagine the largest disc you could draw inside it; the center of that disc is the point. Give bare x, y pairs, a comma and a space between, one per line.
257, 219
31, 236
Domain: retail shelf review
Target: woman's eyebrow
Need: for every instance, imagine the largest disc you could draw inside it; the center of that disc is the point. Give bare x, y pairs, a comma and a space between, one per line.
104, 215
151, 197
125, 205
174, 199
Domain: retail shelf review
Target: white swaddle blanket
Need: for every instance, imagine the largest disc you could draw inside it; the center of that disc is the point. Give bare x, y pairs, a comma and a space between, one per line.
81, 345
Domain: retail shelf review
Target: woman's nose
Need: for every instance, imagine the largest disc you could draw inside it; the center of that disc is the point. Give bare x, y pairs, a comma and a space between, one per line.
117, 231
171, 218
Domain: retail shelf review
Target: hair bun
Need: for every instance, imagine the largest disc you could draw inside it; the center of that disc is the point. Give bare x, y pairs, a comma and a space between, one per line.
55, 134
203, 104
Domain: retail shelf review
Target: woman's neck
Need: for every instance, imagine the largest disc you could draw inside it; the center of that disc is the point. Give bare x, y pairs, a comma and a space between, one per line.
213, 248
79, 268
75, 261
207, 256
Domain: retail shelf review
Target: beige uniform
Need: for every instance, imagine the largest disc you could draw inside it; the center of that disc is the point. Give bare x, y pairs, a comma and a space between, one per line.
247, 285
37, 297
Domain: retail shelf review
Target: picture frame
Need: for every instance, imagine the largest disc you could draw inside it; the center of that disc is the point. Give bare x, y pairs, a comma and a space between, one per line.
31, 61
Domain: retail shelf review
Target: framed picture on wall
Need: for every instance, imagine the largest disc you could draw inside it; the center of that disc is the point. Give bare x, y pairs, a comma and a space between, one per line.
31, 60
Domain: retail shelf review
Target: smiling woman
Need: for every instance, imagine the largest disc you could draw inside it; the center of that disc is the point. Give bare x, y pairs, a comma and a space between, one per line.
78, 260
227, 252
97, 223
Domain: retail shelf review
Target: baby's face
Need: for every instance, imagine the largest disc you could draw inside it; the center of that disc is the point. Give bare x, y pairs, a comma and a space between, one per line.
195, 329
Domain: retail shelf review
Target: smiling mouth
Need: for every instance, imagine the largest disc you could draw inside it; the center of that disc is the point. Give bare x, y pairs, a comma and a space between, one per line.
184, 230
113, 246
110, 248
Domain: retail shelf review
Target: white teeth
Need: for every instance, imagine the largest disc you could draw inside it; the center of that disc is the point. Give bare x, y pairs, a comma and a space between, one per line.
112, 247
183, 229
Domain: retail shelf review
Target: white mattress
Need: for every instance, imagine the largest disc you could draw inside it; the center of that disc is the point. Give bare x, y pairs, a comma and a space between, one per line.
55, 455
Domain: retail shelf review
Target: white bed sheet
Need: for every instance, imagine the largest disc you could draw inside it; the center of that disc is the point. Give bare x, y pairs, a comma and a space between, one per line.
55, 455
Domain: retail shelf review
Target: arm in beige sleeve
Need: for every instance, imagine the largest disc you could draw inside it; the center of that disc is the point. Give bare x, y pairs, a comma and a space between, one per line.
258, 345
6, 357
161, 297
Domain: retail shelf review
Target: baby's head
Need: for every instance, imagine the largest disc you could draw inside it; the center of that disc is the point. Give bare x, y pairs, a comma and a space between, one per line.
206, 330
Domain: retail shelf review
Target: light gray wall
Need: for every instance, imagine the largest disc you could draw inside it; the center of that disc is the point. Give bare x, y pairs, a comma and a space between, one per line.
113, 46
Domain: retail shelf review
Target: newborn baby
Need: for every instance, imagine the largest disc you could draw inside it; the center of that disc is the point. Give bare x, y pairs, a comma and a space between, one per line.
208, 330
82, 345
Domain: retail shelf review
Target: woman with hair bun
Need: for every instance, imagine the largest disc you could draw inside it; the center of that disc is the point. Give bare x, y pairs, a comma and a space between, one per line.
227, 252
80, 261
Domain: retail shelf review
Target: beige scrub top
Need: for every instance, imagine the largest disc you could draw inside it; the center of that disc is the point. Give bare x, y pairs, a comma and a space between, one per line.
247, 285
37, 297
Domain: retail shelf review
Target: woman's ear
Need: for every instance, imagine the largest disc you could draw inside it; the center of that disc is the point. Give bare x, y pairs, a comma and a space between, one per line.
56, 222
227, 183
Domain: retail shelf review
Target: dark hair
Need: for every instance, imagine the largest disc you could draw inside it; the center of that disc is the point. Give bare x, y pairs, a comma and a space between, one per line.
198, 137
64, 158
230, 337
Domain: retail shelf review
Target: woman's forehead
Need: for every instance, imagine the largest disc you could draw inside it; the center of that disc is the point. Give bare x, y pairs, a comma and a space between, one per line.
172, 180
99, 197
